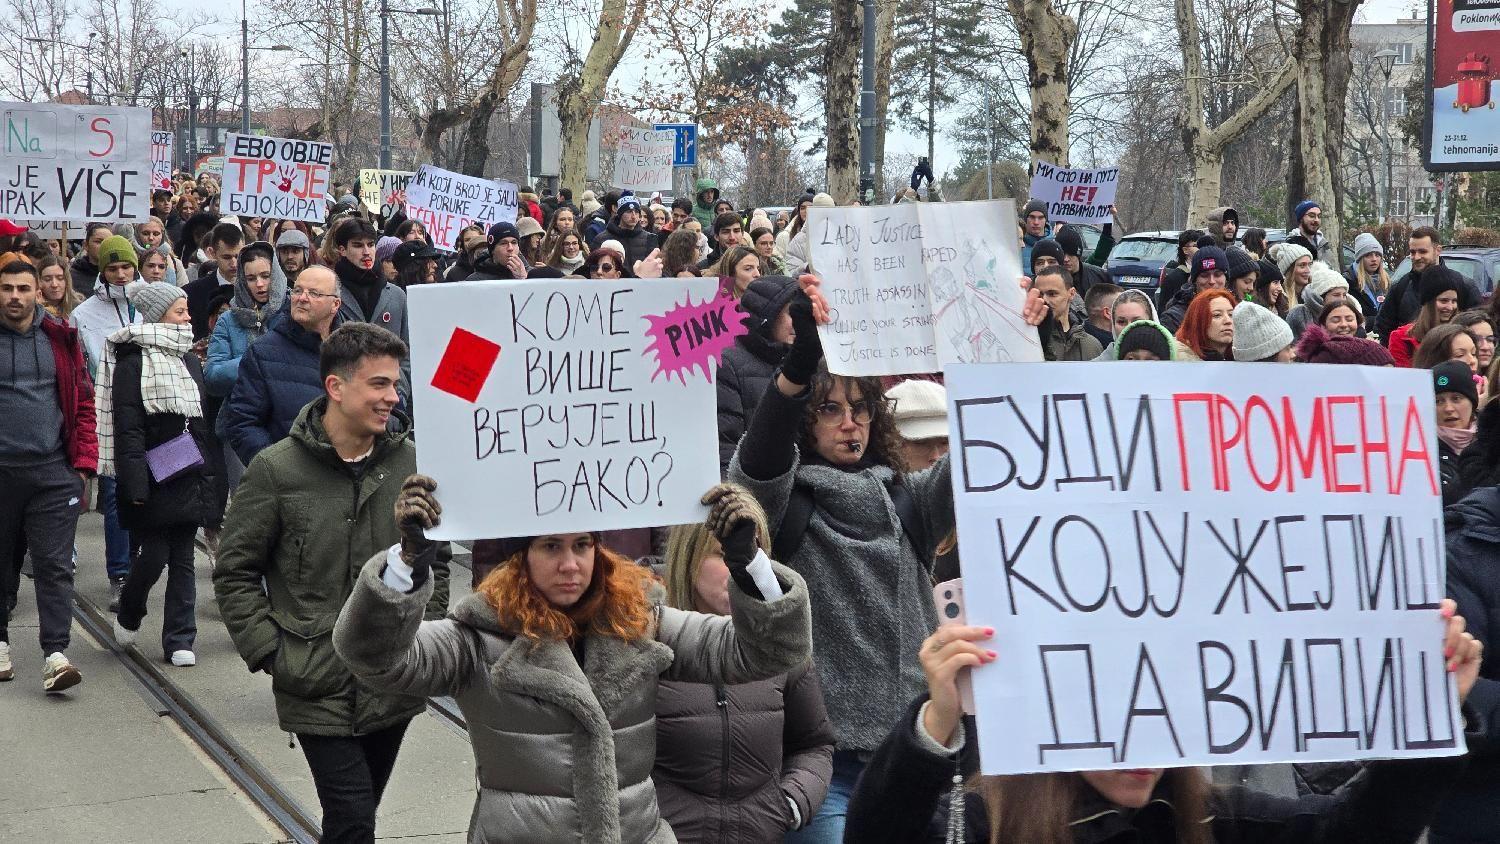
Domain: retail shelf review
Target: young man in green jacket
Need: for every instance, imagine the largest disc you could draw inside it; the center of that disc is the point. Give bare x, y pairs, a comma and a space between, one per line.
309, 512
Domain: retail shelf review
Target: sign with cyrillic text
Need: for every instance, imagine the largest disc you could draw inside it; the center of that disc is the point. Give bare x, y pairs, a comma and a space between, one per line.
915, 286
383, 192
276, 177
77, 163
643, 161
1202, 564
1075, 196
161, 160
447, 202
567, 408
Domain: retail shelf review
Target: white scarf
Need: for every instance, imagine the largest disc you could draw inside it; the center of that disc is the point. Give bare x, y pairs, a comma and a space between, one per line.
166, 384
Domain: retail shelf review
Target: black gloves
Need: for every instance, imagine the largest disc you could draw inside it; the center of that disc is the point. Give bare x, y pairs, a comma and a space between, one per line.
802, 359
734, 519
417, 511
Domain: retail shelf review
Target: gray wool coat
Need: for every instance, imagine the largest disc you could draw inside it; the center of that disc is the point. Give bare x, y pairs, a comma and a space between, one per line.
563, 752
871, 593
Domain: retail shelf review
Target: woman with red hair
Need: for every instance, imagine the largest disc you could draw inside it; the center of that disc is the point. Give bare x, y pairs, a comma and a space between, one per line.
1208, 326
555, 661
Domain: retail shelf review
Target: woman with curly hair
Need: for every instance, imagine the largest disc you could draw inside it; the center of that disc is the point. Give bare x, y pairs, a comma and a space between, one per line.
555, 661
679, 254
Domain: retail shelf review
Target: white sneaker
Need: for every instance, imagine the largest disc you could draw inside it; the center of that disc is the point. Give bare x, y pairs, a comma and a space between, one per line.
59, 674
7, 671
126, 638
184, 659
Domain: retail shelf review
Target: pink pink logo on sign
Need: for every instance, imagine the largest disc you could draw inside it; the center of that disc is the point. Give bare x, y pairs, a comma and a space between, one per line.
690, 337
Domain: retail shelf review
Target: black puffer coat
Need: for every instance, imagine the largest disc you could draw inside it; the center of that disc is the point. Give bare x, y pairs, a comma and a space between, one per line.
729, 757
187, 499
748, 366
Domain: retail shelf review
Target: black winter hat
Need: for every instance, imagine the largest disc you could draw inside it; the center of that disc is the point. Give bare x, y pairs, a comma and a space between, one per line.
1070, 241
1046, 246
764, 299
1241, 263
1144, 335
1034, 205
1452, 376
1208, 258
1436, 284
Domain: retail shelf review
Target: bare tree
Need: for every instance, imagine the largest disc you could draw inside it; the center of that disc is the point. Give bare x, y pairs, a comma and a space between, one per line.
585, 77
1320, 45
841, 99
34, 50
1047, 37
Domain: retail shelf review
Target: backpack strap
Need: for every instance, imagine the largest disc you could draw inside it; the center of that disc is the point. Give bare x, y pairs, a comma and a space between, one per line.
911, 521
799, 510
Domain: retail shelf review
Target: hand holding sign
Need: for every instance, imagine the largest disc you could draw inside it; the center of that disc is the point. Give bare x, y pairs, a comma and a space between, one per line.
1463, 652
949, 650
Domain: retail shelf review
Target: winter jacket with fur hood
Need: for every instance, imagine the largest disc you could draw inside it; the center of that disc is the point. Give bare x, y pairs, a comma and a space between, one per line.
563, 752
1215, 225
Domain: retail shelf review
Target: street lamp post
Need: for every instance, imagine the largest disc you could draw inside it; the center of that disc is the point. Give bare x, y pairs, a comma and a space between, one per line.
385, 74
88, 53
1386, 60
245, 49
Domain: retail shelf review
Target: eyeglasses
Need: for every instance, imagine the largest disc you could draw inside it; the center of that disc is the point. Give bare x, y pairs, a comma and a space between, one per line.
299, 292
833, 412
607, 268
1485, 340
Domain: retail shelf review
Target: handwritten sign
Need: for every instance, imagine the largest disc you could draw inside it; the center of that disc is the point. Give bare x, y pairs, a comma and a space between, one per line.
643, 161
573, 408
383, 192
446, 202
1075, 196
275, 177
75, 163
915, 286
161, 160
1202, 564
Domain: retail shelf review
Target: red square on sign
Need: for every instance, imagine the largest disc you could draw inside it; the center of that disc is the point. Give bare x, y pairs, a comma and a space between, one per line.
466, 365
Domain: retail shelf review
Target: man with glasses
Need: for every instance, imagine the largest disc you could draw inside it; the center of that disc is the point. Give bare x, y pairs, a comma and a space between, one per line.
279, 372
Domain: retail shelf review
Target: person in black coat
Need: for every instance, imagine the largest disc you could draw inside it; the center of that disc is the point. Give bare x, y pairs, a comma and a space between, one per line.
903, 795
1404, 298
156, 441
626, 228
747, 367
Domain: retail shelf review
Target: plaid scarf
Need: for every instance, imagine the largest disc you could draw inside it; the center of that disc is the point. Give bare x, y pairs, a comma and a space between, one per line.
166, 384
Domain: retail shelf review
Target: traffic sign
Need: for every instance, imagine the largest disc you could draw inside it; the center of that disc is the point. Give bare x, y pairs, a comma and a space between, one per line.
685, 151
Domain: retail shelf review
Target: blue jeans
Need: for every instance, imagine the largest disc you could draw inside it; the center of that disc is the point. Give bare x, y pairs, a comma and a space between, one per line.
116, 538
827, 825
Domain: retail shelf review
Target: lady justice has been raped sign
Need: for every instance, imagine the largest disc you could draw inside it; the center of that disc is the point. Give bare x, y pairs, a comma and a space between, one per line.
551, 407
1202, 564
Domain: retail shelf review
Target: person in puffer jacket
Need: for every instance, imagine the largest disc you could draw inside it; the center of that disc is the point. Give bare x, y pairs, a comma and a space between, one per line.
748, 366
737, 764
555, 663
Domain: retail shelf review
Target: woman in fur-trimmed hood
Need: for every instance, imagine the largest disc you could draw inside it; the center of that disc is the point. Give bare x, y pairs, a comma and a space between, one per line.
555, 661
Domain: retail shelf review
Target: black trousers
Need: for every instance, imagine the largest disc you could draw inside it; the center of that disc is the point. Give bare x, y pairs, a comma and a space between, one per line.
169, 548
350, 773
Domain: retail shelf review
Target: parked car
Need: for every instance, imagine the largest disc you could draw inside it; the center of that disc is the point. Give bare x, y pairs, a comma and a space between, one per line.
1136, 261
1479, 264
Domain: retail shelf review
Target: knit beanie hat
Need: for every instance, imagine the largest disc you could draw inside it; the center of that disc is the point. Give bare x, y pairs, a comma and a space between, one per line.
1143, 334
921, 409
1258, 332
764, 299
1366, 243
1241, 263
1287, 254
385, 248
1452, 376
1322, 280
1303, 207
116, 250
822, 200
1070, 241
1034, 205
1433, 284
1046, 246
1205, 259
1318, 346
152, 298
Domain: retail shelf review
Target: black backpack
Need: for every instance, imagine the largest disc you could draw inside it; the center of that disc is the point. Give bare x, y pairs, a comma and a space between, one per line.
799, 510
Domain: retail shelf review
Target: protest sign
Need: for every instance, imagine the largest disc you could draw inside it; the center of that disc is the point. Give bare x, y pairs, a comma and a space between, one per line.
77, 163
383, 192
570, 408
1201, 564
161, 160
1075, 196
914, 286
212, 165
275, 177
643, 161
446, 202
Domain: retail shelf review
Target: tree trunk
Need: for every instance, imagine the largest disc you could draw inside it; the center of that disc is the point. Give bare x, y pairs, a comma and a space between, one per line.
1320, 46
885, 50
1047, 37
476, 144
841, 99
579, 93
932, 63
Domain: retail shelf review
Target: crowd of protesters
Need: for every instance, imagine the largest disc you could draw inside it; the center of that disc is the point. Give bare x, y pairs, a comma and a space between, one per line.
771, 674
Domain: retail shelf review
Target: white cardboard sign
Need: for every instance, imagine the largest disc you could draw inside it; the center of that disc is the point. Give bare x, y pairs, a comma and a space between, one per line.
285, 178
643, 161
915, 286
382, 191
445, 202
1075, 196
75, 163
161, 160
571, 407
1201, 564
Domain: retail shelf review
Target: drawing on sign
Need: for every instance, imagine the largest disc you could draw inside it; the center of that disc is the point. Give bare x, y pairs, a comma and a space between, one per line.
694, 336
161, 160
276, 177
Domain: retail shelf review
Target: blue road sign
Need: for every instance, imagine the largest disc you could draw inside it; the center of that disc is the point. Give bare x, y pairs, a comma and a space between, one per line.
686, 150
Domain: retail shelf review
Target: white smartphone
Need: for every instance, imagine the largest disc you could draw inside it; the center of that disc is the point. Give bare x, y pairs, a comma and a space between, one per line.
949, 597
